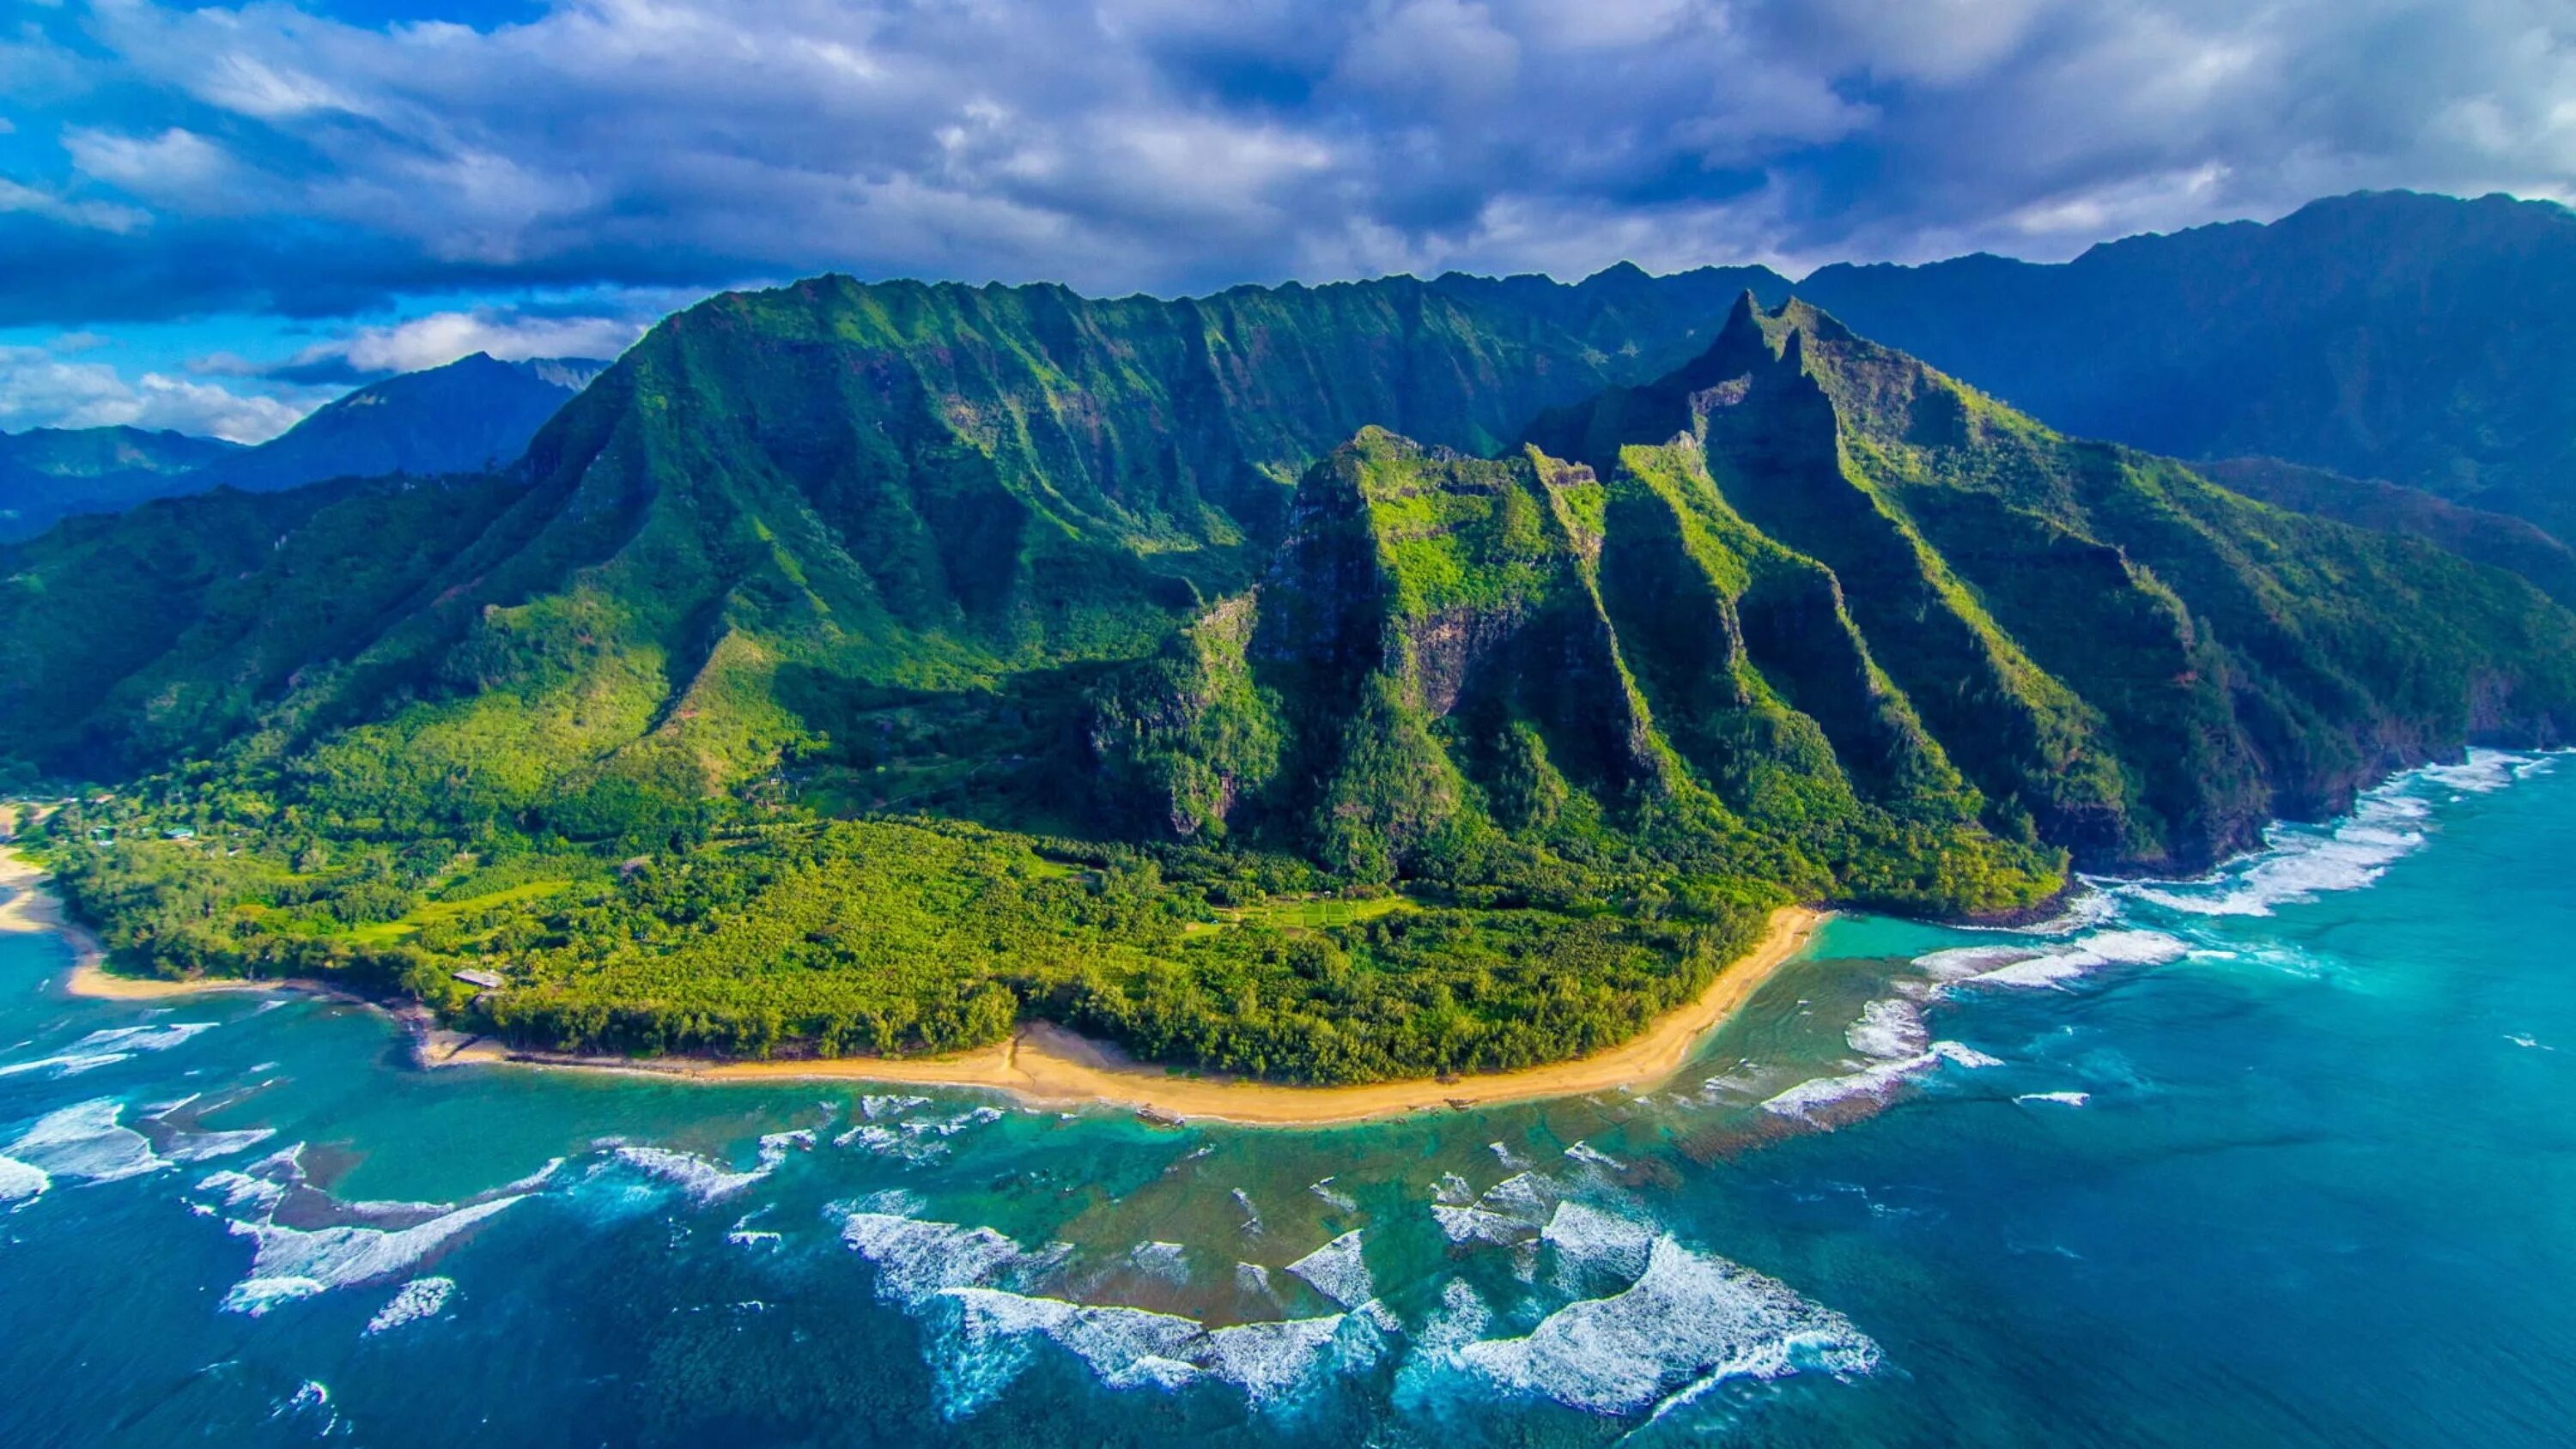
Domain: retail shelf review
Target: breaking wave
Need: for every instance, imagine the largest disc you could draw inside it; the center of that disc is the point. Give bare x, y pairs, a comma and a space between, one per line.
1689, 1319
418, 1299
977, 1288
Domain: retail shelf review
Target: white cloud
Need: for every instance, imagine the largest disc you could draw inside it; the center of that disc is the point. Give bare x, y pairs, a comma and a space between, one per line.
41, 390
1170, 145
442, 337
93, 215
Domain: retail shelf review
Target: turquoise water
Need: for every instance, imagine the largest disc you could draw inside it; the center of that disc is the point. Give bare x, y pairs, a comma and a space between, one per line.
2280, 1157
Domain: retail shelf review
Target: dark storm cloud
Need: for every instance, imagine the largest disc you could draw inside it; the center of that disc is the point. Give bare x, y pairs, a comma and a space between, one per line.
313, 162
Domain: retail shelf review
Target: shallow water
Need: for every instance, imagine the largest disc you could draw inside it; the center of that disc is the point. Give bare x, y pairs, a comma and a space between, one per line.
2278, 1157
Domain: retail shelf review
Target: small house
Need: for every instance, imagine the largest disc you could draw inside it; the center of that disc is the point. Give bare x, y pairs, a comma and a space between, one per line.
488, 980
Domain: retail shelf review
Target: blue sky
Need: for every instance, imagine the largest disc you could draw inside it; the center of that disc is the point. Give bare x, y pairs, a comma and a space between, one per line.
216, 216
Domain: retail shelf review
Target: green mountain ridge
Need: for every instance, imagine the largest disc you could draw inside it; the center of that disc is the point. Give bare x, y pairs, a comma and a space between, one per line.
1165, 688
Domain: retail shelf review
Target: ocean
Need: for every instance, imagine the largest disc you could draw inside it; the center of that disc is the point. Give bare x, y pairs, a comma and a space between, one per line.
2282, 1156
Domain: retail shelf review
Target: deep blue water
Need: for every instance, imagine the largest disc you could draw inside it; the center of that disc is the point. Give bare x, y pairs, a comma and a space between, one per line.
2283, 1157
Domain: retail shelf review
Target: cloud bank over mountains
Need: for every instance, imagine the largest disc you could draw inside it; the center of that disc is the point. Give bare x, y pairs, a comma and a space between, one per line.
354, 168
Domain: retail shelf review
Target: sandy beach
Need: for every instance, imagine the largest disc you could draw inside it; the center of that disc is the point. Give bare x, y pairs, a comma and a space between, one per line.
1044, 1063
1048, 1065
26, 906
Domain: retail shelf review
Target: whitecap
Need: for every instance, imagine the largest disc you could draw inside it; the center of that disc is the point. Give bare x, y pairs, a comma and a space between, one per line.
2063, 1099
1337, 1271
1588, 1241
2037, 966
1689, 1318
916, 1258
69, 1065
975, 1283
1333, 1195
2300, 862
989, 1341
21, 1181
88, 1141
1586, 1153
292, 1263
207, 1146
1167, 1261
1888, 1029
1878, 1081
418, 1299
701, 1179
152, 1037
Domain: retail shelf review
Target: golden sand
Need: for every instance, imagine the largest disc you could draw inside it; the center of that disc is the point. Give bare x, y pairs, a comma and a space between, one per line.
1049, 1065
1045, 1063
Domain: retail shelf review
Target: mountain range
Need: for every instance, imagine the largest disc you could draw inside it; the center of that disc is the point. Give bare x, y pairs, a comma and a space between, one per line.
471, 415
1332, 683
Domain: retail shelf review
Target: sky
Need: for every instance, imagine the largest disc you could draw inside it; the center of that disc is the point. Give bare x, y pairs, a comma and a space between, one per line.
216, 217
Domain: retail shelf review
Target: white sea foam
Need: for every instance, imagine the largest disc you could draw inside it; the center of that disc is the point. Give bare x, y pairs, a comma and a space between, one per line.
1167, 1261
21, 1181
1888, 1029
1586, 1153
916, 1258
1337, 1271
1688, 1318
207, 1146
152, 1037
1878, 1081
2483, 772
87, 1141
2036, 966
1333, 1195
1593, 1241
1508, 1212
875, 1107
1477, 1225
1452, 1189
975, 1283
418, 1299
241, 1189
67, 1065
2301, 862
292, 1263
107, 1048
701, 1179
991, 1337
2063, 1099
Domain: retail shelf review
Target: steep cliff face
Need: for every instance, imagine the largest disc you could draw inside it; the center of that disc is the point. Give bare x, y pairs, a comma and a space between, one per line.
1799, 610
2143, 664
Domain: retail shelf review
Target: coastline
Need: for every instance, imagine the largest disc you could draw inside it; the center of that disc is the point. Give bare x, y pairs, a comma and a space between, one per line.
1045, 1064
29, 908
1042, 1064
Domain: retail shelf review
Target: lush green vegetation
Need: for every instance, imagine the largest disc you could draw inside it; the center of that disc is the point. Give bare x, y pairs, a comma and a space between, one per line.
867, 669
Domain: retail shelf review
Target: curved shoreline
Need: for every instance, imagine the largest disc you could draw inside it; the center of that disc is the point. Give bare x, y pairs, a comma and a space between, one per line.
1045, 1064
1042, 1063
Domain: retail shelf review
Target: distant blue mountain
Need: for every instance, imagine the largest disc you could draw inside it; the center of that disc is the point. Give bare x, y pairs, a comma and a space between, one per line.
2424, 340
473, 414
